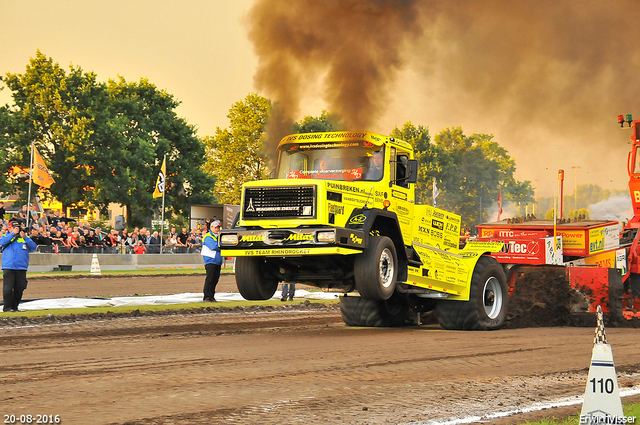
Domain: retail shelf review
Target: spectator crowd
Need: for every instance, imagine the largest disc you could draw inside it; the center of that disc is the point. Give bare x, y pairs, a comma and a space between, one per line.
56, 233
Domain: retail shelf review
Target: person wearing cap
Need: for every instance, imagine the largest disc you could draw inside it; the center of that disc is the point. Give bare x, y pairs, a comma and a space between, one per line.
16, 246
212, 260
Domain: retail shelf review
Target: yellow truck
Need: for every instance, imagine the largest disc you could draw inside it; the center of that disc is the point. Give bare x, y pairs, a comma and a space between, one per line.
340, 214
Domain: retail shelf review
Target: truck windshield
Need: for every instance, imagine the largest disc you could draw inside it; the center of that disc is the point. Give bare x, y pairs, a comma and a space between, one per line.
347, 161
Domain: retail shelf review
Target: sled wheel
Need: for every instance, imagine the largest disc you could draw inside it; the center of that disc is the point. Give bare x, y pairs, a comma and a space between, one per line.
376, 270
487, 305
253, 279
616, 293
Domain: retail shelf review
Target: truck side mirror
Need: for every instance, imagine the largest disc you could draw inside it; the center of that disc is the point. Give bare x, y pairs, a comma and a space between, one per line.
412, 171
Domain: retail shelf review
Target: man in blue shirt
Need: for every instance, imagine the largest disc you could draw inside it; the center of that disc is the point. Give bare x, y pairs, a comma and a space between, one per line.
212, 261
16, 246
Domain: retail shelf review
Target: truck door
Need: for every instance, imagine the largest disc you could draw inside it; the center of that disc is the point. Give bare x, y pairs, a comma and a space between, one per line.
402, 196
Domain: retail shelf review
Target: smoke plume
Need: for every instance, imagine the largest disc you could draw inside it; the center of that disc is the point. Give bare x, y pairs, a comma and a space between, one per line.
354, 46
549, 75
617, 208
560, 63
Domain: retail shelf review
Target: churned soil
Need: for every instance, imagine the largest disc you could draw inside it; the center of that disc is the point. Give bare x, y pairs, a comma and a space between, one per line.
296, 363
541, 298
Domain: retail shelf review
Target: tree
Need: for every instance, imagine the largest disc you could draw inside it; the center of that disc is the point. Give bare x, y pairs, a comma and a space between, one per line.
235, 155
325, 122
5, 182
102, 142
141, 127
469, 171
425, 152
51, 111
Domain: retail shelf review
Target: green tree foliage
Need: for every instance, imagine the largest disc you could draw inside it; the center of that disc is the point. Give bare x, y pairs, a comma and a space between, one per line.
425, 152
235, 154
50, 111
325, 122
469, 172
102, 142
142, 127
5, 182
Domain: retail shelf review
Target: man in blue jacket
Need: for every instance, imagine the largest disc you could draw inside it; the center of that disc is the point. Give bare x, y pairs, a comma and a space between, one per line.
16, 246
212, 261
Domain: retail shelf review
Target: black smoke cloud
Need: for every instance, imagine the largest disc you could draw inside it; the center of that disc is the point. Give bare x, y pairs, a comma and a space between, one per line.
354, 46
548, 74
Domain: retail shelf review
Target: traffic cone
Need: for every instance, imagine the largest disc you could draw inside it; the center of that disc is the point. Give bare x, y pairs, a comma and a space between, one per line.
601, 397
95, 265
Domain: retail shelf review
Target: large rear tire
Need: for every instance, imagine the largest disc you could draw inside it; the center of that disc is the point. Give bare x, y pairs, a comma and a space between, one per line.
358, 311
488, 300
376, 270
253, 279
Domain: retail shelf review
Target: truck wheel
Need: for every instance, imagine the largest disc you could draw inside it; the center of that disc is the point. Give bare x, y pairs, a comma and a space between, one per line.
487, 305
357, 311
376, 270
253, 280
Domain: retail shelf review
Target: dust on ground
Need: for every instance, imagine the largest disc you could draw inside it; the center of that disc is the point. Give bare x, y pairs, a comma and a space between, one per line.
295, 363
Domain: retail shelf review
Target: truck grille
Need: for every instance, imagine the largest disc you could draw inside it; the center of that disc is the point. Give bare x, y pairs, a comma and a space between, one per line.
279, 202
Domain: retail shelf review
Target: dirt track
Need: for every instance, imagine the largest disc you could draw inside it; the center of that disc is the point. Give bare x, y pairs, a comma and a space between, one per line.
289, 366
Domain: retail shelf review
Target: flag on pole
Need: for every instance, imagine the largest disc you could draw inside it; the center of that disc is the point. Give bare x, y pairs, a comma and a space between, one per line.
499, 205
160, 183
41, 175
436, 192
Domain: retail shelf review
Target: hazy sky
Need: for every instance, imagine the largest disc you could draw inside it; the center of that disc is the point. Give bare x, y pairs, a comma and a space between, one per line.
546, 78
197, 50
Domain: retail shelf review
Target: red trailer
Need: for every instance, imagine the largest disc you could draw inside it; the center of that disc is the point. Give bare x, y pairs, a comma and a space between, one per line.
600, 259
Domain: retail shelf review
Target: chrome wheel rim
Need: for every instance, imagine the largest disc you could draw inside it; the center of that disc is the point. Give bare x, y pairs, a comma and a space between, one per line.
492, 297
386, 268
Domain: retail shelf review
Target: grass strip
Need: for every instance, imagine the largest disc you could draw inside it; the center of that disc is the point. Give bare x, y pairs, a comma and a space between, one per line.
630, 409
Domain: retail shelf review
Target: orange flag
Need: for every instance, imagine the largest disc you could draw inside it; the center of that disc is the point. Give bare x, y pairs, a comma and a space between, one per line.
41, 175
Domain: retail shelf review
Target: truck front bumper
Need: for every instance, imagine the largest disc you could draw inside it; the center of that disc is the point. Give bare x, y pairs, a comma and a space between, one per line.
291, 242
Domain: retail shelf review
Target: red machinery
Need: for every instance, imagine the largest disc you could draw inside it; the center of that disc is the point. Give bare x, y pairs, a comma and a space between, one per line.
599, 259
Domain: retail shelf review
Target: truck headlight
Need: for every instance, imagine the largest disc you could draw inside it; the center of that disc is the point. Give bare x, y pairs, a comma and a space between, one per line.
229, 239
326, 236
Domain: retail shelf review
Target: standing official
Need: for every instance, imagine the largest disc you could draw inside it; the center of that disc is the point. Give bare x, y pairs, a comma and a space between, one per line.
212, 261
16, 246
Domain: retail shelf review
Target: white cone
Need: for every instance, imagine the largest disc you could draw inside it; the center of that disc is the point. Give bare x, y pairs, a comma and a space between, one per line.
601, 396
95, 265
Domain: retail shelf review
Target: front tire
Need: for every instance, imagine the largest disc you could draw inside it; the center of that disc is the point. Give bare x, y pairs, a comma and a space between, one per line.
253, 279
488, 300
376, 270
358, 311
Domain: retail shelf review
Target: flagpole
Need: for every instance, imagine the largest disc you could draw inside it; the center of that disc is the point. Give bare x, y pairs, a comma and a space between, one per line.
162, 214
30, 181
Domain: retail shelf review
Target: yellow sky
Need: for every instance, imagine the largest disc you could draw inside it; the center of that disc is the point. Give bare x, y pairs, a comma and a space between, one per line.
199, 52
